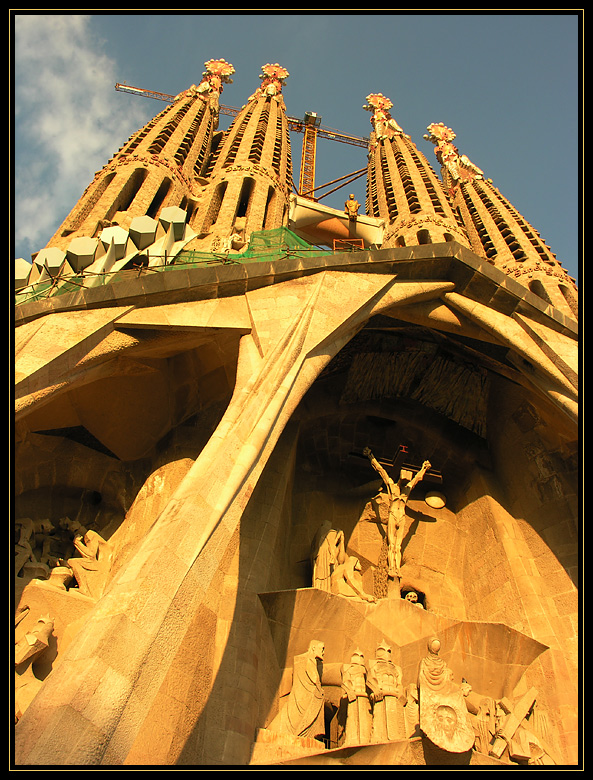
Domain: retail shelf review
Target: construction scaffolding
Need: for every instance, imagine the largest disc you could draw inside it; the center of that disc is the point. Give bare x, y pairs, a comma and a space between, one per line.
264, 246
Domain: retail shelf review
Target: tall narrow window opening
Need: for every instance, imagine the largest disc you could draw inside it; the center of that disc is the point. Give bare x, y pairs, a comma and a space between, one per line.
159, 197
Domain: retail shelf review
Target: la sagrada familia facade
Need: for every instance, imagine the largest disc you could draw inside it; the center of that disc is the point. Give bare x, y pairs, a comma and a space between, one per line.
294, 485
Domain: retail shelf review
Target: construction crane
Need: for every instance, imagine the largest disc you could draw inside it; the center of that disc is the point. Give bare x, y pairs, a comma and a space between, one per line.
311, 128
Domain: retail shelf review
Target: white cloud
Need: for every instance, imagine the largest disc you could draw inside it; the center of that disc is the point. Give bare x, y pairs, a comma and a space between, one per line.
68, 120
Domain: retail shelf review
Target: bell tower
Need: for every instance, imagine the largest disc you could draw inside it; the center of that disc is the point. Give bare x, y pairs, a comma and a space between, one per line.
160, 164
497, 230
250, 172
403, 189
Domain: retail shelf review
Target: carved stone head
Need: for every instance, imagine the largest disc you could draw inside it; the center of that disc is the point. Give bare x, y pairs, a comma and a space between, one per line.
357, 658
383, 652
317, 649
447, 719
434, 645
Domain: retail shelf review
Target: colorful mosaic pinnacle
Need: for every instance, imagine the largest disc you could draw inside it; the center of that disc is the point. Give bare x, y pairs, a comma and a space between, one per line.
439, 133
273, 77
274, 72
221, 68
459, 167
383, 123
217, 73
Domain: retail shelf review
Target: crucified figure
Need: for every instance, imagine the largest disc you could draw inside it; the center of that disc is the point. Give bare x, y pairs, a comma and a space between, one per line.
398, 493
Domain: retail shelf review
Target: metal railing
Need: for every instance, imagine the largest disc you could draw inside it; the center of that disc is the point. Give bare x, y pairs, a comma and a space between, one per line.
62, 284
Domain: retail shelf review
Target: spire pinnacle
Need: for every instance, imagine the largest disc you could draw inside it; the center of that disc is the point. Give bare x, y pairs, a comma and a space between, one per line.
459, 167
383, 123
273, 77
217, 73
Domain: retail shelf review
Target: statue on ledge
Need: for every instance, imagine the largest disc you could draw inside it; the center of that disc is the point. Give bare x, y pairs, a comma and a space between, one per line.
346, 580
444, 716
355, 695
91, 569
351, 207
387, 695
327, 553
302, 715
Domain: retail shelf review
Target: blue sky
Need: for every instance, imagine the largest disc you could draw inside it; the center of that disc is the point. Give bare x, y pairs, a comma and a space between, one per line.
507, 83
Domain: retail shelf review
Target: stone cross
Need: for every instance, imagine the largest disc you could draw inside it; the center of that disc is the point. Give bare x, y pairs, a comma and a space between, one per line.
399, 462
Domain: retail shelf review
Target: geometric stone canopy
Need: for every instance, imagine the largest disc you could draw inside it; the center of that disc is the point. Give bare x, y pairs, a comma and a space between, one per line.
81, 252
50, 258
22, 269
495, 656
143, 231
116, 235
175, 217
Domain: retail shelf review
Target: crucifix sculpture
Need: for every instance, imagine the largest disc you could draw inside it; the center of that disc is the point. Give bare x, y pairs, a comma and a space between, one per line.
398, 494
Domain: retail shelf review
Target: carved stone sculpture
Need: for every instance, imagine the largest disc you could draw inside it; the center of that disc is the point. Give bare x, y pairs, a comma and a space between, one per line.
443, 713
399, 493
515, 731
27, 650
484, 725
411, 711
60, 577
539, 728
509, 720
346, 580
68, 530
23, 551
327, 552
238, 238
356, 696
302, 715
531, 748
92, 568
412, 597
32, 549
387, 695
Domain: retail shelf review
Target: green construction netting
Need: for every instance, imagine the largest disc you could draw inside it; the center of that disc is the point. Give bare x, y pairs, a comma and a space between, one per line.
264, 245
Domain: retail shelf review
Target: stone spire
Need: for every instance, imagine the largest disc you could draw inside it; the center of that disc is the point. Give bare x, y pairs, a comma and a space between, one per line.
402, 188
497, 230
250, 173
159, 165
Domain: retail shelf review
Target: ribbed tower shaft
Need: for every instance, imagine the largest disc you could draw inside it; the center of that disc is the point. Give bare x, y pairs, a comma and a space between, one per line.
403, 189
497, 230
250, 173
